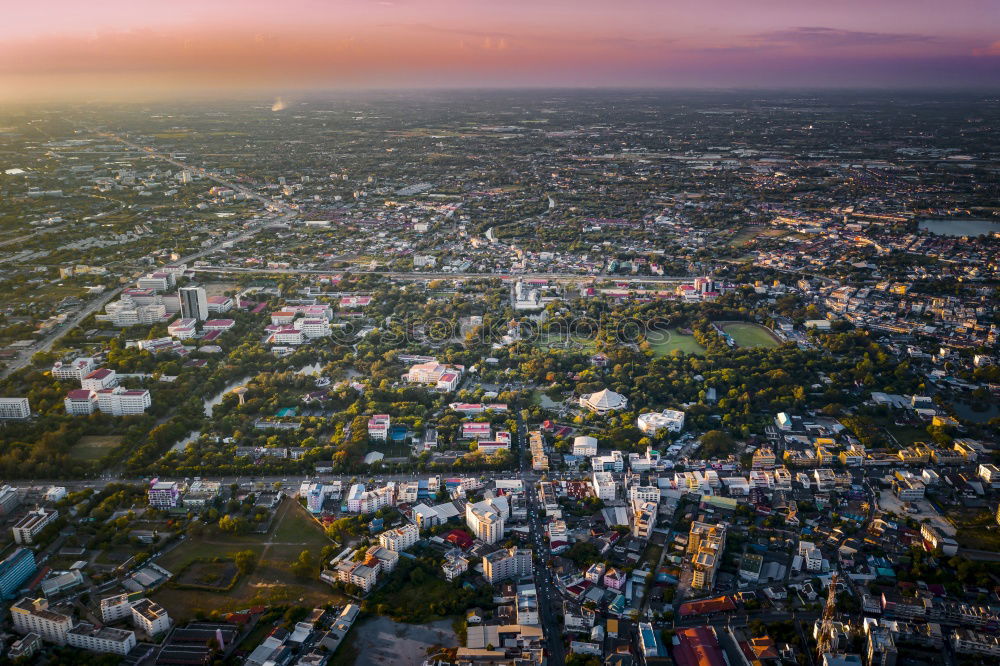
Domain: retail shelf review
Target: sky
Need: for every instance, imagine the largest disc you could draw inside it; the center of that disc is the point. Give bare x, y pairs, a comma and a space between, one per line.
120, 48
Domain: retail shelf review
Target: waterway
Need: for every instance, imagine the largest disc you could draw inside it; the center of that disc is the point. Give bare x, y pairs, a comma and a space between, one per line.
959, 227
210, 403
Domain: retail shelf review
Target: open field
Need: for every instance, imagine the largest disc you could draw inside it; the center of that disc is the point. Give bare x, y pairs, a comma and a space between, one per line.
975, 528
384, 642
749, 335
271, 582
209, 574
91, 448
564, 341
747, 234
664, 343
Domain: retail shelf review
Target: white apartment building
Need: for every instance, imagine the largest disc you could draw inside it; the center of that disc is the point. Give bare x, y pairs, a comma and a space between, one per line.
14, 409
513, 563
313, 327
74, 370
150, 616
105, 639
120, 401
101, 378
639, 494
287, 336
115, 608
487, 519
400, 538
605, 487
33, 615
26, 529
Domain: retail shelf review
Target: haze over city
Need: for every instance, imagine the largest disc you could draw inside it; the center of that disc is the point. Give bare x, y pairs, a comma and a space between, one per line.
52, 49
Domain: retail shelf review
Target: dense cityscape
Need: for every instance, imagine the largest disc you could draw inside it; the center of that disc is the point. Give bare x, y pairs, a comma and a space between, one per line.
510, 377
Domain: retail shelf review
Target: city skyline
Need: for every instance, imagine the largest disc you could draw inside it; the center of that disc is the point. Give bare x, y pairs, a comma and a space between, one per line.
116, 49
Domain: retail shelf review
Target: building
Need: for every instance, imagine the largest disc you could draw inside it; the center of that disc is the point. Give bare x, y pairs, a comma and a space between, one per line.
763, 458
120, 401
101, 378
605, 486
194, 303
15, 569
584, 446
101, 639
9, 500
74, 370
315, 497
487, 518
654, 423
26, 529
80, 402
115, 608
455, 564
504, 564
34, 616
163, 494
644, 520
14, 409
150, 617
400, 538
603, 402
706, 544
378, 427
812, 557
25, 647
880, 649
965, 641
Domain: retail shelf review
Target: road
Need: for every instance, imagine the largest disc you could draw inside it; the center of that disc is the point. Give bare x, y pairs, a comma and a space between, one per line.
411, 275
45, 344
548, 594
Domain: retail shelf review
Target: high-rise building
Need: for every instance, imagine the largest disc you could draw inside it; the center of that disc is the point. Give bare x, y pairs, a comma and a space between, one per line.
34, 616
706, 543
486, 519
194, 303
14, 570
510, 563
14, 409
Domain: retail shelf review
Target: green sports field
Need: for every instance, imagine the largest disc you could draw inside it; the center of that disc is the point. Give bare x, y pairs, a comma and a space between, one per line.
750, 335
664, 343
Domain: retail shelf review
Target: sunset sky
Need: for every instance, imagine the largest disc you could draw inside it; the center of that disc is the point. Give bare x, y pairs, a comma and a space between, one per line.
55, 48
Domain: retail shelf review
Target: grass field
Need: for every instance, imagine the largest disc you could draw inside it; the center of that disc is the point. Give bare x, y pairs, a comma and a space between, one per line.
749, 335
976, 529
91, 448
271, 582
564, 341
663, 343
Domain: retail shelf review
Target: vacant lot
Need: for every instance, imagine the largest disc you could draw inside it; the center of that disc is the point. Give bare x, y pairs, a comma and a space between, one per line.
749, 335
91, 448
667, 342
209, 574
382, 642
271, 583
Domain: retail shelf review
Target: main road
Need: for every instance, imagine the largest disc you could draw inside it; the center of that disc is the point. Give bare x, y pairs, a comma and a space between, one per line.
548, 594
413, 275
